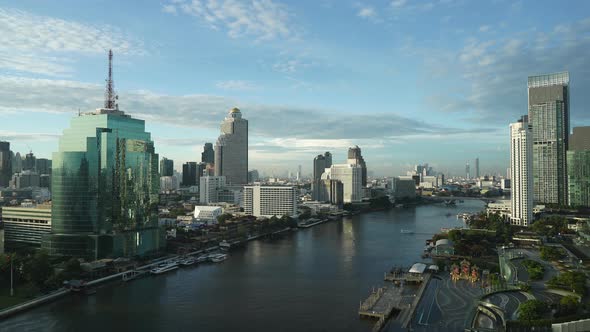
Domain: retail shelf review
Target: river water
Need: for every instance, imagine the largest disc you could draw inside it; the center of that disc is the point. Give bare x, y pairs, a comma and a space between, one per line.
310, 280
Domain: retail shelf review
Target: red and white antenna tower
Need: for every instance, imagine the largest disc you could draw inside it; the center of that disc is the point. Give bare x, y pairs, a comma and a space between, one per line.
110, 98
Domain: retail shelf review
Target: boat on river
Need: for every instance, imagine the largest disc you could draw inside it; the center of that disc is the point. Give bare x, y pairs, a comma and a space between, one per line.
217, 258
407, 231
164, 268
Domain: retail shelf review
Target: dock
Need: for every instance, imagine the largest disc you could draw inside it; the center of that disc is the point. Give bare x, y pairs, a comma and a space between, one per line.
380, 304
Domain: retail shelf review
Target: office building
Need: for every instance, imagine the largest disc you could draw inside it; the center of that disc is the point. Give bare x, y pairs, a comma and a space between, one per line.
5, 164
231, 149
403, 188
578, 167
25, 179
253, 176
209, 188
26, 224
355, 158
208, 154
351, 177
320, 164
168, 183
166, 167
548, 105
105, 183
43, 166
29, 162
268, 201
467, 171
330, 190
17, 163
189, 174
521, 168
477, 168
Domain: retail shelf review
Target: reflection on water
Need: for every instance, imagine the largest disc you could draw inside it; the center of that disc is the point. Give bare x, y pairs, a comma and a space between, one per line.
311, 280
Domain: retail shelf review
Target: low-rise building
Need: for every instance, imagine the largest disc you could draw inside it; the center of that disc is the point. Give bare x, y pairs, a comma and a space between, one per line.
207, 214
26, 224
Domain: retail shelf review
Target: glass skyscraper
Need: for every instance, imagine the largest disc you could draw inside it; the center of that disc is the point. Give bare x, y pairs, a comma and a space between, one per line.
578, 167
105, 187
548, 100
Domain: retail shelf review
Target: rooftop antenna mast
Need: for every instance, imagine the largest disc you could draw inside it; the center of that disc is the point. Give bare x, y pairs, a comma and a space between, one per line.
110, 98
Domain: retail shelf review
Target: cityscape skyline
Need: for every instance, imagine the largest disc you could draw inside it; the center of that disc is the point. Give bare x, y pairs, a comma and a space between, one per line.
185, 114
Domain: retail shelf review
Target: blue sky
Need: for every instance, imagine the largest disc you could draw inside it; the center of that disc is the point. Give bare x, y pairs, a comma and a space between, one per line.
407, 81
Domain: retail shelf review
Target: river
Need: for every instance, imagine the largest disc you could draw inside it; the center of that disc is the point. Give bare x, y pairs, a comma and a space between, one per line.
310, 280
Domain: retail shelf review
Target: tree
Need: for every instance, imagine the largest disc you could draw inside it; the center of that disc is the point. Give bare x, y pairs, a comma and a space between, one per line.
568, 305
37, 269
72, 270
531, 310
223, 218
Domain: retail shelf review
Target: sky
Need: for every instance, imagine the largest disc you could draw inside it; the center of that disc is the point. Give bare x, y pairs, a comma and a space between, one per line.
408, 81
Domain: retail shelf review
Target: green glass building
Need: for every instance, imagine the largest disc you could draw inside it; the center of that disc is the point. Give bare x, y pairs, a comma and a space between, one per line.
578, 167
105, 187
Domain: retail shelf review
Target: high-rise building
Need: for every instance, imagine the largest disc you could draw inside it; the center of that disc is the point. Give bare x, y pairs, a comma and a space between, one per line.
189, 174
521, 168
105, 186
43, 166
5, 164
351, 177
168, 183
320, 164
477, 168
29, 162
269, 201
231, 149
166, 167
25, 179
17, 163
578, 167
467, 171
209, 187
355, 158
548, 105
208, 154
253, 176
299, 173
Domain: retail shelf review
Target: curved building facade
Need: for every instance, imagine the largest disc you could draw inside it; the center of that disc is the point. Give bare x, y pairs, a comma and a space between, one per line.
105, 189
231, 149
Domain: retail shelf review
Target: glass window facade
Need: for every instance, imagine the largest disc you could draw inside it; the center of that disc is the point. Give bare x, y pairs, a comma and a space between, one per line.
105, 187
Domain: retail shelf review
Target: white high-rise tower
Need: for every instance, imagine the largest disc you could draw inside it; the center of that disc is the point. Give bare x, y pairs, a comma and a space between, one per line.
521, 172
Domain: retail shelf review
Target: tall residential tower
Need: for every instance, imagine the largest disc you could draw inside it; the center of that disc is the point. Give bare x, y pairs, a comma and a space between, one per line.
548, 100
521, 149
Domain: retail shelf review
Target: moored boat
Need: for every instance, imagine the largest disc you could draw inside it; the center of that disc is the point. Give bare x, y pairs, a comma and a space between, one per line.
164, 268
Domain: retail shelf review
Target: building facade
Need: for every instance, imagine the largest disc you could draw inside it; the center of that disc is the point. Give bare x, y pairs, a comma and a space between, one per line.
189, 174
320, 163
26, 224
105, 186
209, 188
351, 177
231, 149
521, 168
578, 167
355, 158
269, 201
548, 105
5, 164
208, 154
25, 179
166, 167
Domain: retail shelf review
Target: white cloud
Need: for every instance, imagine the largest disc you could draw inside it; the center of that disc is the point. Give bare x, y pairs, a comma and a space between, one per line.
398, 3
484, 28
37, 44
367, 12
236, 85
261, 19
